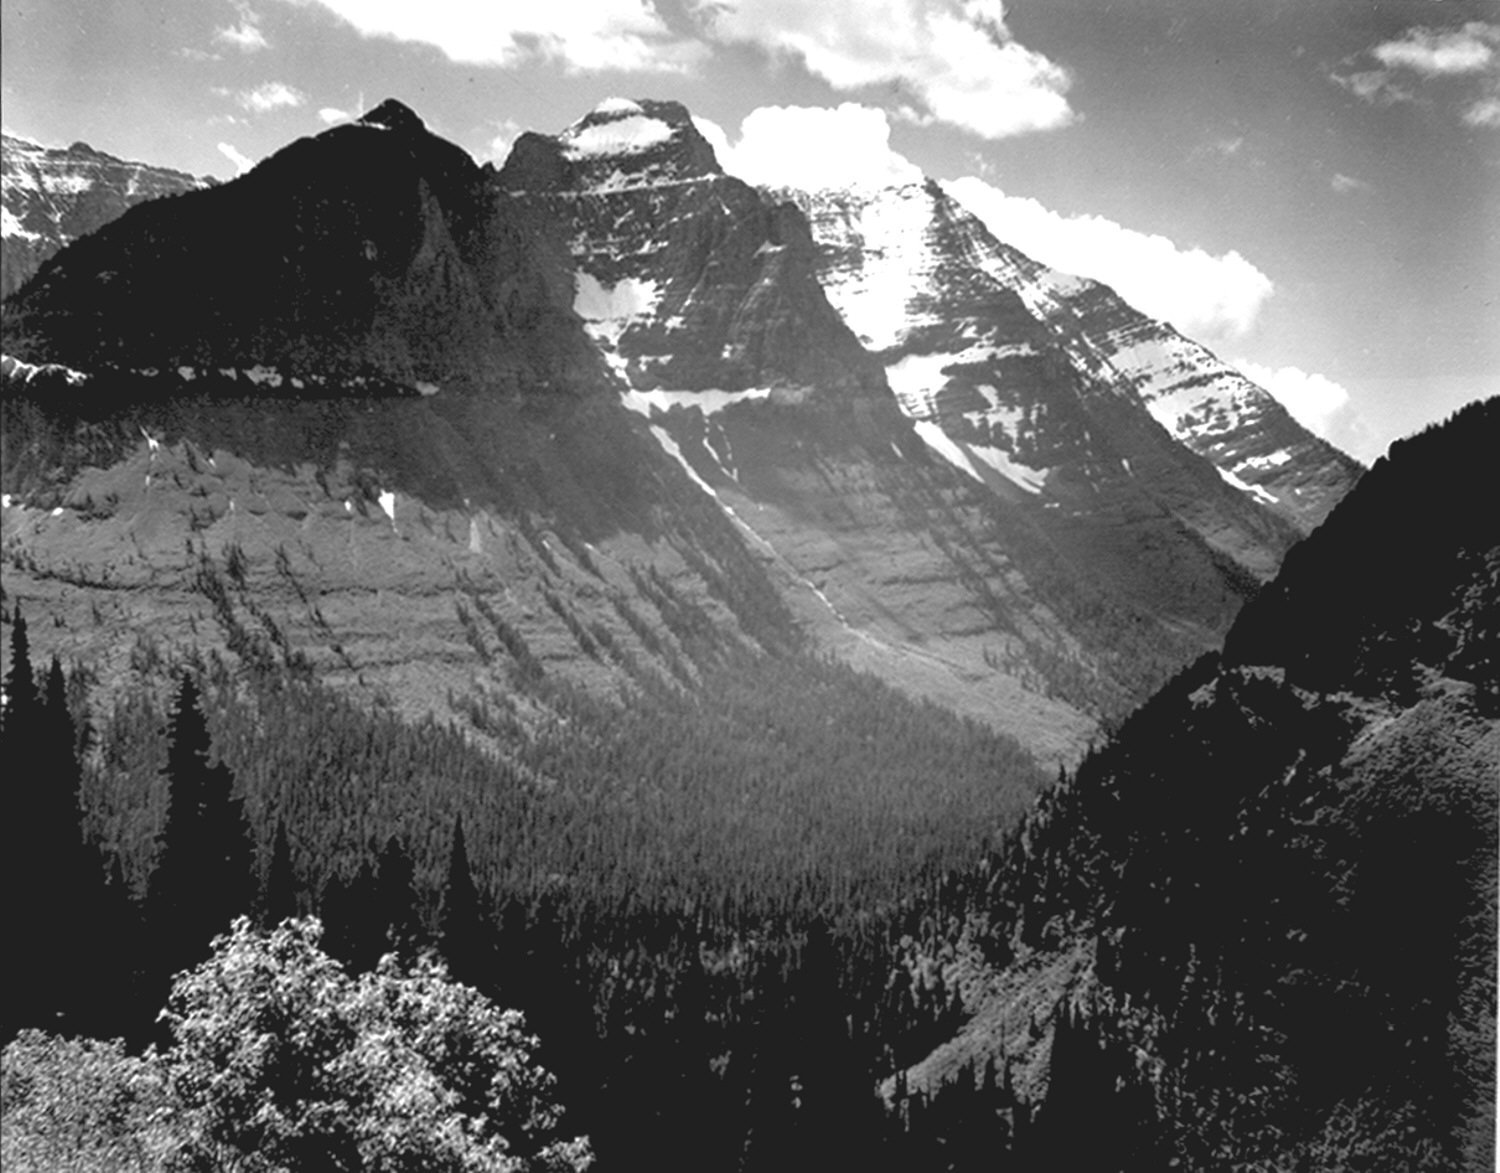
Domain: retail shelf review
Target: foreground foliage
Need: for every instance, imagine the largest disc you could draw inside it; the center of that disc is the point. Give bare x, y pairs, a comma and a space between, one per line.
281, 1060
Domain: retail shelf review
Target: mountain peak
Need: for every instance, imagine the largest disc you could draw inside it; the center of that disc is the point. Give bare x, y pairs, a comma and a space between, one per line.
394, 115
621, 143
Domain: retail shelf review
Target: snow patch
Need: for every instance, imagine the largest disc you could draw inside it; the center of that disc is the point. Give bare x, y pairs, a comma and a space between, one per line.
1274, 460
1029, 479
618, 106
631, 135
708, 402
946, 447
1254, 490
11, 227
388, 504
916, 380
423, 389
670, 447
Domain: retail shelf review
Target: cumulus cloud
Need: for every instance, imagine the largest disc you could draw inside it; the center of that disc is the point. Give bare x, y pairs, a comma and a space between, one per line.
1433, 52
1344, 184
1313, 400
951, 61
242, 162
583, 35
812, 147
1205, 296
273, 95
331, 114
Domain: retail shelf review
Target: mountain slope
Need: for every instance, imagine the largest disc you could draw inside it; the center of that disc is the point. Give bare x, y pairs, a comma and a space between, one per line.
941, 561
51, 196
1272, 895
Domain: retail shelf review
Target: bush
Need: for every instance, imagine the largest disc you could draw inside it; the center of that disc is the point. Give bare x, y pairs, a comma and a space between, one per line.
284, 1061
82, 1105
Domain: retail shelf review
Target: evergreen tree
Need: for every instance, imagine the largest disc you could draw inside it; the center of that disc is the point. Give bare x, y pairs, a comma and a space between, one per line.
461, 928
396, 898
21, 699
204, 873
280, 898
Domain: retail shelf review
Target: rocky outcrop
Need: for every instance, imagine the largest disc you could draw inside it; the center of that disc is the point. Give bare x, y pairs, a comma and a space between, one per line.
51, 196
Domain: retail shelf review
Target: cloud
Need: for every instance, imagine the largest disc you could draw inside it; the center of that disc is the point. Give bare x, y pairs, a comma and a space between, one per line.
331, 114
1205, 296
242, 163
948, 61
1344, 184
812, 147
1485, 112
583, 35
1466, 56
1434, 53
508, 130
1314, 400
273, 95
243, 36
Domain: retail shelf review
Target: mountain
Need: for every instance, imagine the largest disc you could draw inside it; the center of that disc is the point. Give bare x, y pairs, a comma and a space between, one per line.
1014, 370
373, 366
1261, 922
51, 196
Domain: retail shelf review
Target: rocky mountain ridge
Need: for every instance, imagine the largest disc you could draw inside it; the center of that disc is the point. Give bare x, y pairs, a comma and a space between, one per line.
51, 196
620, 365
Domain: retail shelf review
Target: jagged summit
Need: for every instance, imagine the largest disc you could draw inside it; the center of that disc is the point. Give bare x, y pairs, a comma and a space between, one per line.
393, 115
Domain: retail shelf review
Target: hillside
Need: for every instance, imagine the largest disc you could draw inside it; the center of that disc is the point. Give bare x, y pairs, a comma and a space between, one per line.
1267, 907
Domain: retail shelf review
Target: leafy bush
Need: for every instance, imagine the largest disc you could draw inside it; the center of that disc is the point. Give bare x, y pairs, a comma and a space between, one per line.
82, 1105
282, 1056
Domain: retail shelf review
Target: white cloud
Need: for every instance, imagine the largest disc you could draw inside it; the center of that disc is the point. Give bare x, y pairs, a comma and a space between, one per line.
1344, 184
243, 36
950, 61
507, 131
331, 114
273, 95
584, 35
1485, 112
1313, 400
242, 162
1433, 52
812, 147
1207, 297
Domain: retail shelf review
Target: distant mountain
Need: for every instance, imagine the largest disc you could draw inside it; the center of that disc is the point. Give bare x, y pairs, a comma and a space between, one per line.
370, 338
51, 196
1262, 921
1014, 370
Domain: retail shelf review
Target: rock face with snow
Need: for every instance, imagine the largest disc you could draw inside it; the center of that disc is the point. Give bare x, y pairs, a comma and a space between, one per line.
50, 196
1016, 371
597, 419
987, 349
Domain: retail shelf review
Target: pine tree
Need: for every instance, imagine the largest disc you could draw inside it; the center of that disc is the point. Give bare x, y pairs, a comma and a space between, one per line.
280, 898
462, 935
396, 898
204, 873
21, 701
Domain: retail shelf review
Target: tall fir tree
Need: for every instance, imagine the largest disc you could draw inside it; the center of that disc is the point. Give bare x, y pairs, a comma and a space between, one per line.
279, 899
462, 934
204, 874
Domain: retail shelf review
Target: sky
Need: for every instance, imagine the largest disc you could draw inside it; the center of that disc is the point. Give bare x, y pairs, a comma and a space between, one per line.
1311, 188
